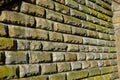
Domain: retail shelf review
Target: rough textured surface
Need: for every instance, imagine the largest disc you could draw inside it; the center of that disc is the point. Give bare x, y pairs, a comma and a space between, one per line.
59, 40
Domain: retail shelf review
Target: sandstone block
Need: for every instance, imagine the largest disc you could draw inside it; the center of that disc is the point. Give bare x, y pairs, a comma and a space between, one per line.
70, 57
94, 72
50, 46
58, 56
72, 39
85, 64
35, 45
48, 68
61, 1
28, 70
57, 77
61, 8
76, 65
89, 41
16, 57
89, 56
62, 28
8, 72
63, 67
72, 48
84, 8
23, 45
88, 25
3, 30
38, 57
45, 3
105, 70
83, 48
54, 36
55, 16
32, 9
44, 24
17, 18
80, 1
71, 3
7, 44
81, 56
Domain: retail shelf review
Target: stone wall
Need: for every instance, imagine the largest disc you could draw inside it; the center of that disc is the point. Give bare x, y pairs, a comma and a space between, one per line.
116, 21
57, 40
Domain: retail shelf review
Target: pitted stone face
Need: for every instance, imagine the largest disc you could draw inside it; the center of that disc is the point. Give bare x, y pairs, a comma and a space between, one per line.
3, 2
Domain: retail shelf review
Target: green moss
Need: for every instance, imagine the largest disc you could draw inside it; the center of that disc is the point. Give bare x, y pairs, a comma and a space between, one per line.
7, 72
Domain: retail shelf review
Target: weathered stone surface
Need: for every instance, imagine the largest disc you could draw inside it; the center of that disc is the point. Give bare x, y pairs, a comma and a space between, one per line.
63, 67
79, 31
3, 30
16, 57
8, 72
23, 45
72, 21
94, 72
71, 3
77, 74
54, 36
55, 16
77, 14
61, 8
72, 48
105, 70
88, 25
72, 39
83, 48
50, 46
57, 77
32, 9
61, 1
81, 56
70, 57
7, 44
89, 41
80, 1
89, 56
93, 34
89, 3
62, 28
85, 64
84, 9
58, 56
76, 65
48, 68
44, 24
37, 57
35, 45
17, 18
45, 3
29, 70
93, 64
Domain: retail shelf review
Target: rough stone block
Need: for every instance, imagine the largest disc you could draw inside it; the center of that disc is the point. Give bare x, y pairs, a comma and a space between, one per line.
84, 8
63, 67
8, 72
35, 45
7, 44
77, 14
94, 72
45, 3
89, 3
81, 56
61, 8
93, 34
55, 16
44, 24
80, 1
37, 57
32, 9
23, 45
70, 57
93, 64
28, 70
16, 57
100, 63
58, 56
89, 41
54, 36
48, 68
85, 64
57, 77
60, 1
71, 3
106, 70
79, 31
88, 25
50, 46
38, 34
62, 28
3, 30
73, 48
77, 74
72, 39
76, 65
17, 18
103, 56
83, 48
72, 21
89, 56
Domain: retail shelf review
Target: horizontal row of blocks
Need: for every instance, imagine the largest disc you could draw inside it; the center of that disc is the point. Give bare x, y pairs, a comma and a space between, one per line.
31, 70
11, 44
17, 57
